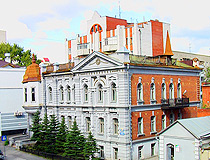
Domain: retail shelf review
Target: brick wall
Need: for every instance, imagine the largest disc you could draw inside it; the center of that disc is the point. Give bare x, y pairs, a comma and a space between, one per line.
189, 83
206, 95
188, 112
203, 112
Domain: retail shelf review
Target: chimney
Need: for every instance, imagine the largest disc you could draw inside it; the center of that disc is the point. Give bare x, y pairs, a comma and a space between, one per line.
7, 57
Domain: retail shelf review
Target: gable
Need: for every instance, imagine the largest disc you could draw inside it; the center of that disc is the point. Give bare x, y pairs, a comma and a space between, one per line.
97, 61
177, 130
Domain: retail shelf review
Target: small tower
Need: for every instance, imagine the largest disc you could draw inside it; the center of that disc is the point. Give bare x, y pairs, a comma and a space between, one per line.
31, 89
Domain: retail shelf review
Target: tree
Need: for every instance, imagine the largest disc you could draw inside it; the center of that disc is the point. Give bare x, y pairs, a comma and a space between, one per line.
75, 143
44, 134
90, 147
61, 136
52, 136
17, 54
36, 128
207, 74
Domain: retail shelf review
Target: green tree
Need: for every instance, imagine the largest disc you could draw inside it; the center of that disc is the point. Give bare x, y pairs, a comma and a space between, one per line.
61, 136
17, 54
52, 136
90, 147
36, 126
75, 143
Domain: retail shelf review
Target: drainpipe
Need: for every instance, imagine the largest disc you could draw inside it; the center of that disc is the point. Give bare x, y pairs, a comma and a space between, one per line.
129, 106
45, 98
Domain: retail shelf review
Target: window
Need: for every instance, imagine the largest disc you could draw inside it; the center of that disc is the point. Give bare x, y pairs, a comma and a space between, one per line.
152, 149
152, 91
73, 93
179, 92
171, 118
163, 121
115, 153
163, 91
100, 93
113, 93
88, 123
171, 91
179, 116
50, 94
33, 94
85, 93
116, 125
25, 93
101, 152
69, 122
153, 125
139, 92
140, 152
140, 125
61, 93
68, 93
106, 42
101, 129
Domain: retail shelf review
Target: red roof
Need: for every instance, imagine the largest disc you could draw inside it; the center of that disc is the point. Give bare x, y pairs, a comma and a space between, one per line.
46, 60
4, 64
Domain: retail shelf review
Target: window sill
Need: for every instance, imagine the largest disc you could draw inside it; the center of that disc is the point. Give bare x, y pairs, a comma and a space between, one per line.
140, 102
101, 134
154, 132
153, 101
141, 134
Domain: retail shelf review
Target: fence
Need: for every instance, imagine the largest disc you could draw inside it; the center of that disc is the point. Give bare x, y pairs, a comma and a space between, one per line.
44, 154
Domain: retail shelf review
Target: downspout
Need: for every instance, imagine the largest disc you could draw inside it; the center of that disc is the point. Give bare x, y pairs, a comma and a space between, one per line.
56, 85
45, 94
129, 107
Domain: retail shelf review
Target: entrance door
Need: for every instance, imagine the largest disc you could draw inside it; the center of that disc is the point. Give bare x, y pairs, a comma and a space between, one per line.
170, 152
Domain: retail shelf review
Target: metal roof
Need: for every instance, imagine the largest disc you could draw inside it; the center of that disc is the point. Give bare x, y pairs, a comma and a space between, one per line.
199, 127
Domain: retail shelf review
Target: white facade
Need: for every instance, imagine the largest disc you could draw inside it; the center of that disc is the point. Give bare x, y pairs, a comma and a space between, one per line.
2, 36
11, 99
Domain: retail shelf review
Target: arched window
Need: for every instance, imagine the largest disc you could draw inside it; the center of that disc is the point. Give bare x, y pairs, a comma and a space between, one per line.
115, 125
153, 124
163, 91
85, 93
139, 92
101, 125
152, 91
113, 92
163, 121
50, 94
171, 91
73, 93
61, 93
96, 28
179, 91
69, 122
68, 94
100, 93
88, 124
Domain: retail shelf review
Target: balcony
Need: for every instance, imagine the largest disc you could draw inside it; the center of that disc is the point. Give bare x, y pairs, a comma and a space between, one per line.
83, 49
176, 103
110, 44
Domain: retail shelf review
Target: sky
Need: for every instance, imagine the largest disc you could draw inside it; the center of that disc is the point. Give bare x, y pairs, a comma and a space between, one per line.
44, 25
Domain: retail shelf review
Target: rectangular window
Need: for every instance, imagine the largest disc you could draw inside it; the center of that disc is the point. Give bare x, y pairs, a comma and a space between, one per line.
101, 152
69, 122
101, 125
163, 121
140, 152
106, 42
33, 94
116, 125
140, 125
115, 153
88, 123
152, 149
25, 90
153, 128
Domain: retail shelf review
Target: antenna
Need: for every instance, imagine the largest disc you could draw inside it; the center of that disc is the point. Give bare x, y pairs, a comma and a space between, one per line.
119, 10
189, 47
143, 19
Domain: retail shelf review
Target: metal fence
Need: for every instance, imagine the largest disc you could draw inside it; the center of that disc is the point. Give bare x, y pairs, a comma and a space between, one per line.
44, 154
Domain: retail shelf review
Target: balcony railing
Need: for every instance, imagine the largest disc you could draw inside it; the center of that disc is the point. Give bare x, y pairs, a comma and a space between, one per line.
175, 103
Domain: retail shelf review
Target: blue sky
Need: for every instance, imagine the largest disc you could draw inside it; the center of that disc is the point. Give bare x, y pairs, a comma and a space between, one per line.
43, 25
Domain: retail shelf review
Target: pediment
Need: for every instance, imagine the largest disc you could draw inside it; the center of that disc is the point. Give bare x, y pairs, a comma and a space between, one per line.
97, 61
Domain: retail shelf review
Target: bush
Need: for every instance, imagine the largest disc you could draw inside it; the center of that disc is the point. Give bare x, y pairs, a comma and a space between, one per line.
6, 143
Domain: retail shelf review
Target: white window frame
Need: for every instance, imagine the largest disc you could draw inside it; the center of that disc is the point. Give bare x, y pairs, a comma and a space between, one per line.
50, 94
115, 150
61, 94
68, 93
153, 124
100, 93
153, 149
33, 94
101, 125
163, 121
69, 122
101, 152
140, 126
163, 91
113, 92
140, 148
179, 91
88, 124
85, 93
25, 95
115, 126
139, 92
